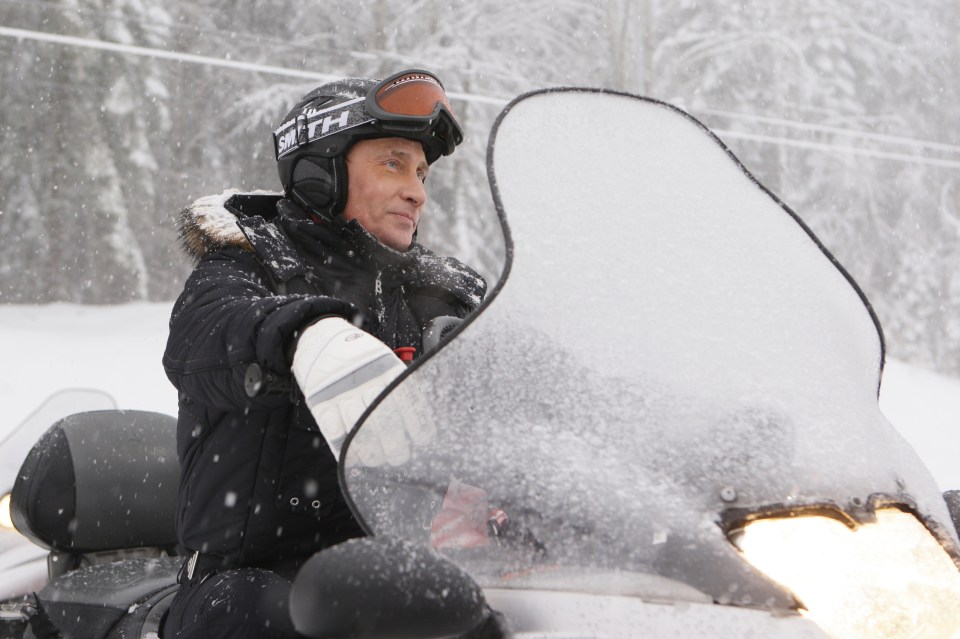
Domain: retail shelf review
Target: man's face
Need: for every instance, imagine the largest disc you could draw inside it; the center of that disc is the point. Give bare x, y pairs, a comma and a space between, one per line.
385, 191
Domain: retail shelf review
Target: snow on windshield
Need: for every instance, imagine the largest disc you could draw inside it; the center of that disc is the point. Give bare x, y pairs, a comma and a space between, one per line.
670, 343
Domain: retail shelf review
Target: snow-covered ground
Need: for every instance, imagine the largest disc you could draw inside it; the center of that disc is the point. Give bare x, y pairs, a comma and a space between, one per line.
925, 408
118, 349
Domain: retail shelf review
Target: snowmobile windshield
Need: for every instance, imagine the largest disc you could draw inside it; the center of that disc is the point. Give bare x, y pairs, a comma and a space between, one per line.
671, 350
17, 442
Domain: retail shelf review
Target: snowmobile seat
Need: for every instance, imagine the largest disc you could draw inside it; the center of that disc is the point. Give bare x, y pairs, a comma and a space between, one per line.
119, 599
99, 490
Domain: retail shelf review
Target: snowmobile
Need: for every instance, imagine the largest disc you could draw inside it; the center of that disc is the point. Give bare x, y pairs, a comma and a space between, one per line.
663, 422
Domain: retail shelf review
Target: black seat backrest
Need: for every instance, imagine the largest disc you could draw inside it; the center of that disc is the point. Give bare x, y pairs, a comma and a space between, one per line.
99, 490
100, 481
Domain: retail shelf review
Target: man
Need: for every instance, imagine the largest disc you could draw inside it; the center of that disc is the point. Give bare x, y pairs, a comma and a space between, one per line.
266, 347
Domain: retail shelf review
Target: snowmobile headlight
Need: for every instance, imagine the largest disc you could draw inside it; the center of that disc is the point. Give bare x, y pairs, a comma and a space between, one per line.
6, 522
885, 579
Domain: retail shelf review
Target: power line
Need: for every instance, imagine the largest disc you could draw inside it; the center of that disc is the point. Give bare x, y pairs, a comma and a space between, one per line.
40, 36
836, 148
160, 28
23, 34
807, 126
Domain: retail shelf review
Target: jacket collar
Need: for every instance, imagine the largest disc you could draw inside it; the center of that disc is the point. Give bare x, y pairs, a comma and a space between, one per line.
249, 221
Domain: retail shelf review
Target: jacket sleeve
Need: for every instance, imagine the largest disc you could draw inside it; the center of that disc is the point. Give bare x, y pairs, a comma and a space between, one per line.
228, 318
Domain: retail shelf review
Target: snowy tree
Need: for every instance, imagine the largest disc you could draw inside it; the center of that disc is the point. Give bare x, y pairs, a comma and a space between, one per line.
82, 193
802, 79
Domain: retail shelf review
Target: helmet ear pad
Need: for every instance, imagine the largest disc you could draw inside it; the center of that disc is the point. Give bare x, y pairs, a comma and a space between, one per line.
319, 184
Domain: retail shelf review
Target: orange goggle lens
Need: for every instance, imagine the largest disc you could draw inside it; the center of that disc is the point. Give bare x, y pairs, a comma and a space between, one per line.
412, 94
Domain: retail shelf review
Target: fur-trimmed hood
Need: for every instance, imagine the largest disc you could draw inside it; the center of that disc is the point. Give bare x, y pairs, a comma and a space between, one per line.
209, 224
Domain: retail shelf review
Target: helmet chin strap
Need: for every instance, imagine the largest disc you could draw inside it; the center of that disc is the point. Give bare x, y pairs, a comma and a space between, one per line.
315, 214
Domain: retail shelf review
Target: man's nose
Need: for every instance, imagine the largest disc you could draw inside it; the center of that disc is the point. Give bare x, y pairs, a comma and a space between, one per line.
415, 191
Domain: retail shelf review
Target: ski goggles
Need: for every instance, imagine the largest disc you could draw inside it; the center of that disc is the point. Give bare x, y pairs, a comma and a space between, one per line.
409, 104
414, 102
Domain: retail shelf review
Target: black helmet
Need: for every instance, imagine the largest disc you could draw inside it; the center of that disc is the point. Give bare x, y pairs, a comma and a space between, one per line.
313, 141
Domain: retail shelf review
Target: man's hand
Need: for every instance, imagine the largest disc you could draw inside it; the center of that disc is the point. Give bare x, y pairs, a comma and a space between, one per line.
341, 370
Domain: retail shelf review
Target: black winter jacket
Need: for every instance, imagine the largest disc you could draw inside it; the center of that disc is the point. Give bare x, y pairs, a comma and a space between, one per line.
258, 482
